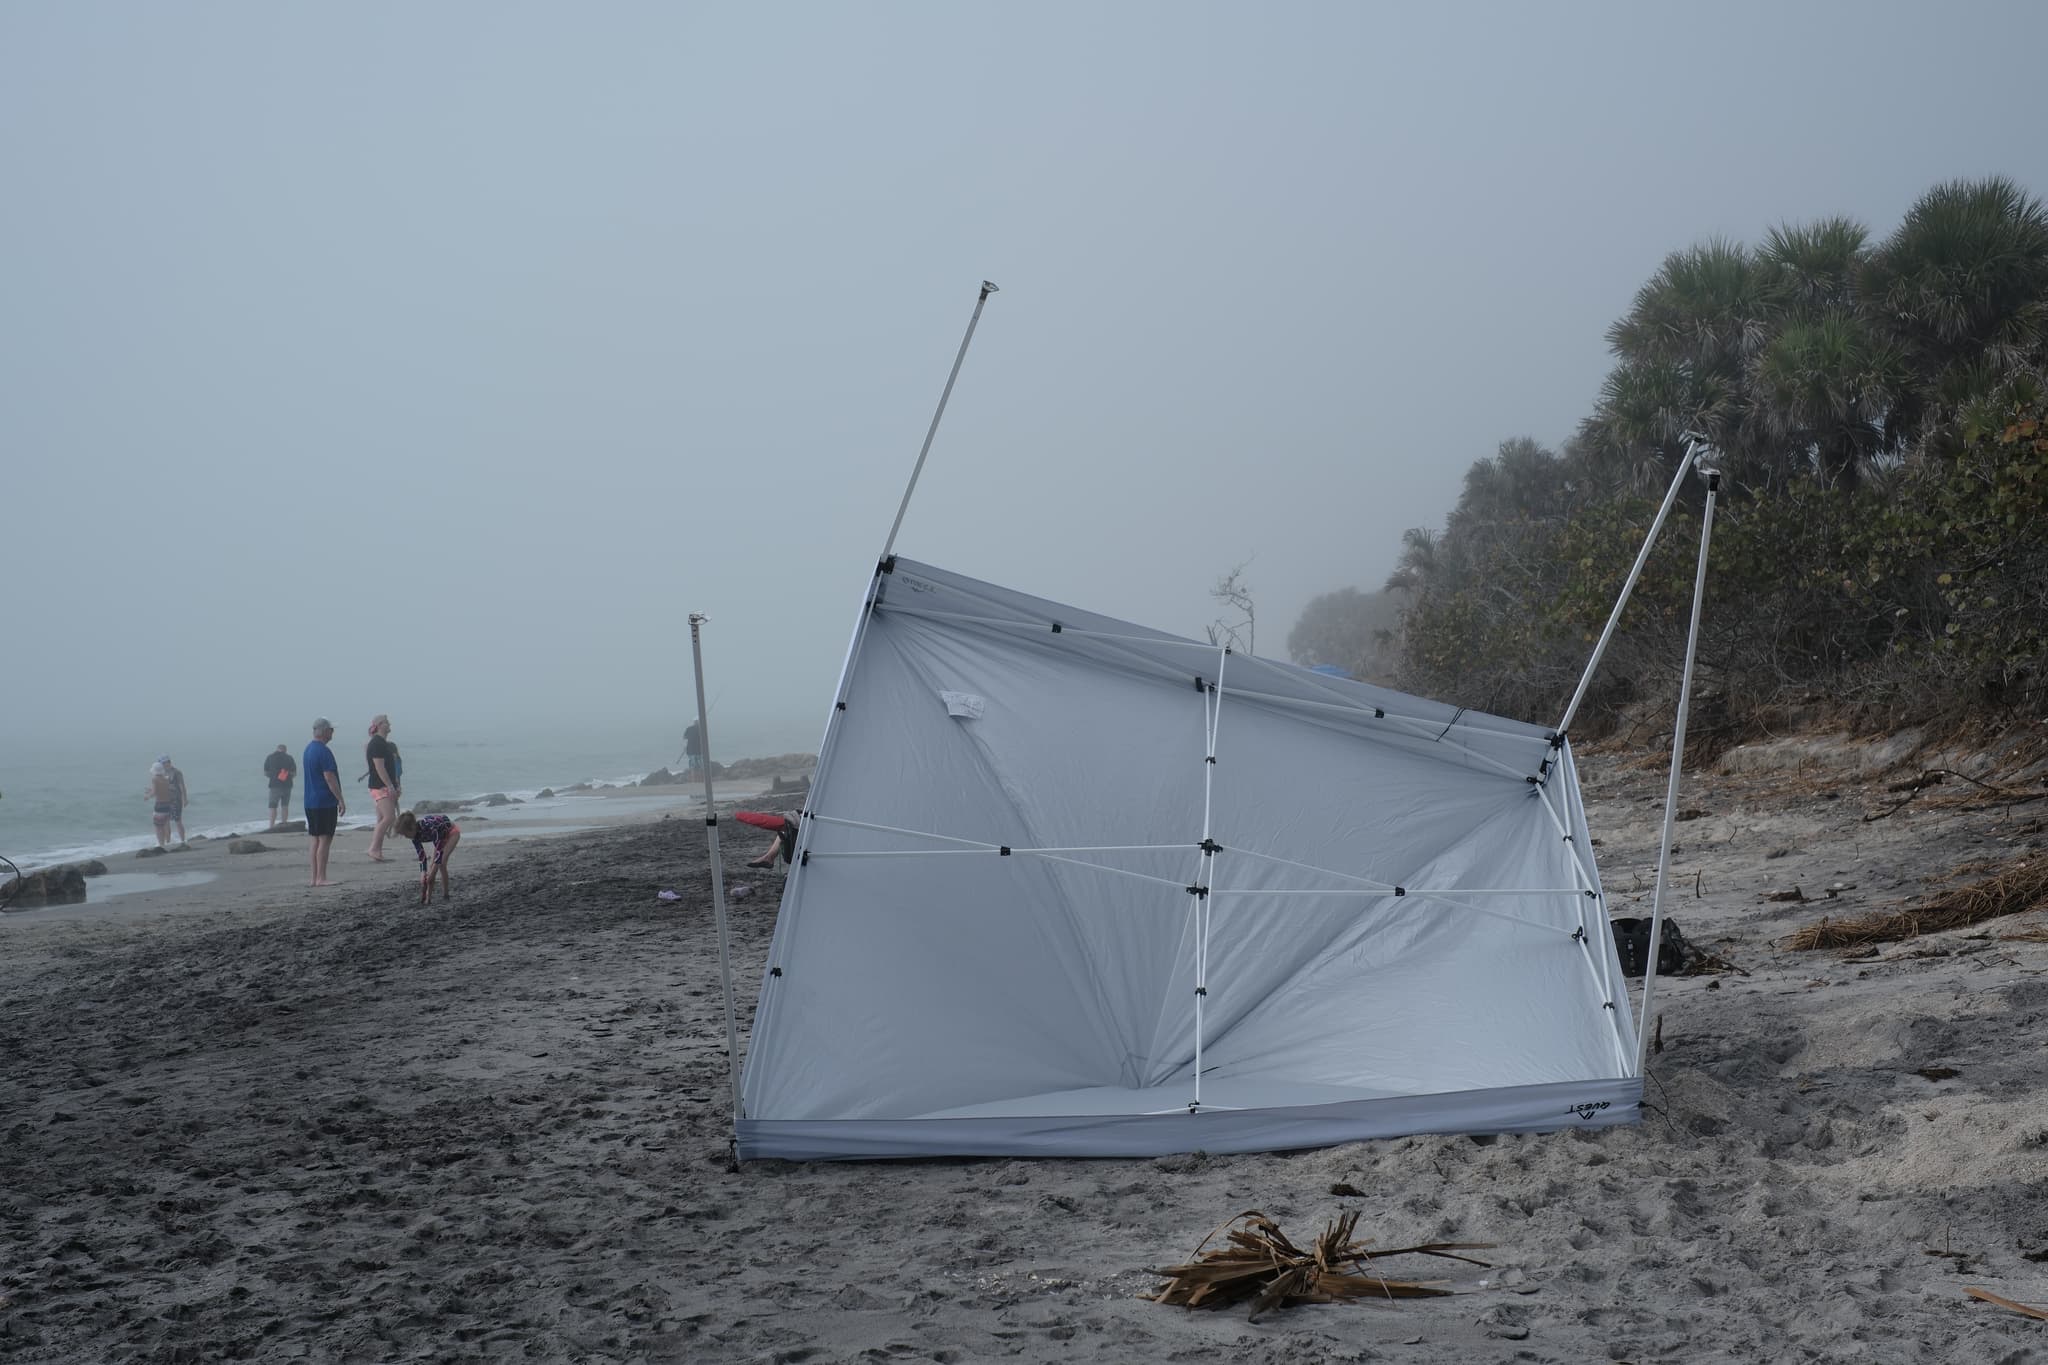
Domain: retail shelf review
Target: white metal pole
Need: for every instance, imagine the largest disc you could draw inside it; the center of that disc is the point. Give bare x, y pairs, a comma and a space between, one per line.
1692, 452
946, 393
732, 1034
1692, 646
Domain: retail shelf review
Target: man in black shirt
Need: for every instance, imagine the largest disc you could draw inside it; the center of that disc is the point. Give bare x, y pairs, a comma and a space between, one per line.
280, 768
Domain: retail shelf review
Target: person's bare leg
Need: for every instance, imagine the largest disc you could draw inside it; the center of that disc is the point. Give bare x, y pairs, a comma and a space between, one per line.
448, 852
321, 847
313, 858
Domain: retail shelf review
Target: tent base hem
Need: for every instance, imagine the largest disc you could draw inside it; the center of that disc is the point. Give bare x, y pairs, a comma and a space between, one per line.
1516, 1109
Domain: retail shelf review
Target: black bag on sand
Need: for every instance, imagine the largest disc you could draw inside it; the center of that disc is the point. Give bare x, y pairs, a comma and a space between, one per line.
1632, 941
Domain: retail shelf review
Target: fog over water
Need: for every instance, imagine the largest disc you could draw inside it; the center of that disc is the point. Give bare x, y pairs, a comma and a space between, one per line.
439, 359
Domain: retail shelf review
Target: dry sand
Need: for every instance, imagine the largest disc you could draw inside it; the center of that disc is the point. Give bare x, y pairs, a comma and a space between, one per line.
340, 1128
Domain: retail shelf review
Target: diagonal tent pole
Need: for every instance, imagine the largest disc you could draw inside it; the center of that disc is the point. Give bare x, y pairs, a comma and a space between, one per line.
1694, 448
732, 1037
1692, 647
944, 394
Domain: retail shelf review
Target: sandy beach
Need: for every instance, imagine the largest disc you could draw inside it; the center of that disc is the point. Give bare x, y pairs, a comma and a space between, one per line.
251, 1123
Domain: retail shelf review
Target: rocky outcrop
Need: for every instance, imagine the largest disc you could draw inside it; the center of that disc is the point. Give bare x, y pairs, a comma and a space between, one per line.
497, 799
661, 777
438, 807
288, 827
544, 793
247, 846
50, 886
156, 852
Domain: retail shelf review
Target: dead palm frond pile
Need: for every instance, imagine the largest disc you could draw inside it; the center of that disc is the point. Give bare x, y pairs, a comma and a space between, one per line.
2021, 886
1259, 1263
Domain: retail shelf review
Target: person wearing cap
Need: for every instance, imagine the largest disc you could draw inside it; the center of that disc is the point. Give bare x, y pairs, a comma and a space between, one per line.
382, 756
280, 769
324, 802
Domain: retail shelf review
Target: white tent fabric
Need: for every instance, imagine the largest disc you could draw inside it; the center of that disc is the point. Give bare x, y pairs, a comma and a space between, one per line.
1004, 934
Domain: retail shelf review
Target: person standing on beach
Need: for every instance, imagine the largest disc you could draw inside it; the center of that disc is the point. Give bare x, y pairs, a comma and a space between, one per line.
180, 796
161, 793
693, 749
324, 802
382, 756
280, 768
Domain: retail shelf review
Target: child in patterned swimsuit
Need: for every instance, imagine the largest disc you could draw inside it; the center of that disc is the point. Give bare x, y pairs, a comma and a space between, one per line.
443, 834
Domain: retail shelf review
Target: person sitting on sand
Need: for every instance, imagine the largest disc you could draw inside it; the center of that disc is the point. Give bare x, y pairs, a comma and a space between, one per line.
443, 834
785, 834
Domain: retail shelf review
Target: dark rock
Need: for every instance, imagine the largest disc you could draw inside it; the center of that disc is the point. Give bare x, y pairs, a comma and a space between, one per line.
791, 784
545, 793
660, 777
438, 807
253, 846
51, 886
157, 852
92, 867
288, 827
496, 799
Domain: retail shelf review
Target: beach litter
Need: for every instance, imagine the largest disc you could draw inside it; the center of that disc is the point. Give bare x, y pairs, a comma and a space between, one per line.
1262, 1265
666, 896
2022, 886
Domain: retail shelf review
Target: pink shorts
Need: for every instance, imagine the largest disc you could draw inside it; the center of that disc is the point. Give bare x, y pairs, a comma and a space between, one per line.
384, 794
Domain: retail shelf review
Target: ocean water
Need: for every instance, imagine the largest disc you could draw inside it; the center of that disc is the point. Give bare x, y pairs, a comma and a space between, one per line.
70, 798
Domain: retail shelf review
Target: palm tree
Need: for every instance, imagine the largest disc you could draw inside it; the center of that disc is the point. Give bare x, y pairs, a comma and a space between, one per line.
1420, 563
1962, 290
1824, 387
1686, 347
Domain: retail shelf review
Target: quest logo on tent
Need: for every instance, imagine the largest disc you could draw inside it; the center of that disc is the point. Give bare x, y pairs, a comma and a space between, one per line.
1586, 1111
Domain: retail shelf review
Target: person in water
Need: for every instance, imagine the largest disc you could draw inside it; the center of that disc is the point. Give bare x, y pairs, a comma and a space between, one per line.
443, 834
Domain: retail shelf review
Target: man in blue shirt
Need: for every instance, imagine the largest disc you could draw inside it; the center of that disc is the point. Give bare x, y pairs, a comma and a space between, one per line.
324, 803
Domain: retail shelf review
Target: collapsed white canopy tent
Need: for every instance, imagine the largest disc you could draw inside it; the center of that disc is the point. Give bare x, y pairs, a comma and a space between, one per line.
1069, 886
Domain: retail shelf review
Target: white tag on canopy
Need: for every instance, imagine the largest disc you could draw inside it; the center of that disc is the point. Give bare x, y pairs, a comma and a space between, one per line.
965, 705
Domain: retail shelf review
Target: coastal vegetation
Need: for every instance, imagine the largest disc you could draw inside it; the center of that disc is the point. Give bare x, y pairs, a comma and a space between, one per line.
1879, 412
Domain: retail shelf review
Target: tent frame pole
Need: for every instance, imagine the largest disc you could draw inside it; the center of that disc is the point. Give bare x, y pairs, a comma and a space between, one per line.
1212, 717
732, 1036
1692, 646
1694, 448
889, 545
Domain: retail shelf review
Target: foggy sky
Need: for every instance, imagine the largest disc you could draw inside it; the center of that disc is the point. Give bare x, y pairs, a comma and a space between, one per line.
438, 359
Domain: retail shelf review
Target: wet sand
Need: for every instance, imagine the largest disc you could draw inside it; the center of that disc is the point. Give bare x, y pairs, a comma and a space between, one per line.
348, 1129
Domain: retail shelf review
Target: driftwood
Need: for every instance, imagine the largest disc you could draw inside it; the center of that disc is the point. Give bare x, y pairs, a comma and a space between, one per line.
1988, 1297
1933, 777
2021, 886
1262, 1265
